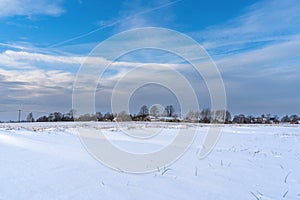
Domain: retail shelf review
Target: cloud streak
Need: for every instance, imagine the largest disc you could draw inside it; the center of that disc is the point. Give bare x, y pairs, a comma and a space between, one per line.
29, 8
257, 54
120, 20
263, 23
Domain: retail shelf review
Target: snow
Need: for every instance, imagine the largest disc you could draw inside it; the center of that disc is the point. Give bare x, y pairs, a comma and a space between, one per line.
48, 161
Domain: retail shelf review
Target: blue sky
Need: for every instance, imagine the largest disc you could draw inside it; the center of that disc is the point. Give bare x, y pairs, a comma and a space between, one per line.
255, 45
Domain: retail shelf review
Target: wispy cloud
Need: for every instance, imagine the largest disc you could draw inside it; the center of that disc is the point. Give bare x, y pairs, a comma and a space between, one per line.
27, 80
262, 42
12, 59
129, 19
265, 21
257, 54
36, 89
137, 14
29, 8
23, 55
273, 56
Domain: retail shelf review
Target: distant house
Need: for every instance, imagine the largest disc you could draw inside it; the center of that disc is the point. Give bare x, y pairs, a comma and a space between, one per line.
264, 120
169, 119
67, 117
241, 119
273, 120
141, 118
153, 118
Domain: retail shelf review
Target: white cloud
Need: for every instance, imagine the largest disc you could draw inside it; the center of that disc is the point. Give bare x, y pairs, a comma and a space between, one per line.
37, 78
25, 78
137, 14
263, 21
30, 8
270, 57
11, 59
23, 55
263, 42
130, 17
36, 89
257, 54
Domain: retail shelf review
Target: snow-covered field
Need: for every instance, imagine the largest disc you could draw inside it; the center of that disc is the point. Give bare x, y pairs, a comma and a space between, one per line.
48, 161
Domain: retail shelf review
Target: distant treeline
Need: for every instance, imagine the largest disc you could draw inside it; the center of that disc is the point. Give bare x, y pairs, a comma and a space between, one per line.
168, 114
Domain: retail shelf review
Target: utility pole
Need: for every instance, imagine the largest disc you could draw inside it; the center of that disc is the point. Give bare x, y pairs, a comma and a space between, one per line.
19, 118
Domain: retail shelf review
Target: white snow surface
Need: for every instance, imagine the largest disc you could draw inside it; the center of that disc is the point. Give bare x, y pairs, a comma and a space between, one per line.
48, 161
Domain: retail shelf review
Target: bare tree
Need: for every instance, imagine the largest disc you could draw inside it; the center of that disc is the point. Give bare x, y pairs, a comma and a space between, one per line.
87, 117
154, 111
193, 116
242, 119
56, 116
123, 116
72, 113
197, 116
144, 110
190, 115
285, 119
108, 117
205, 115
169, 110
30, 117
294, 118
99, 116
227, 117
42, 119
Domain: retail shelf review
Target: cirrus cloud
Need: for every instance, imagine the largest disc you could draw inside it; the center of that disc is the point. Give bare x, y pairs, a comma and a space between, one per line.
28, 8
